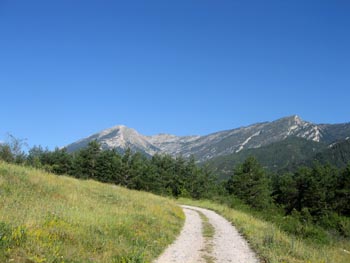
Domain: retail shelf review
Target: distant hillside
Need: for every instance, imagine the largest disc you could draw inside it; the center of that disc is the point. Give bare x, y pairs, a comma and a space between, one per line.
274, 157
335, 132
221, 143
286, 155
337, 154
47, 218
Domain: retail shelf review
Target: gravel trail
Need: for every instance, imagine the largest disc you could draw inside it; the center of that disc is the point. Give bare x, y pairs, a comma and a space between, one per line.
227, 244
186, 248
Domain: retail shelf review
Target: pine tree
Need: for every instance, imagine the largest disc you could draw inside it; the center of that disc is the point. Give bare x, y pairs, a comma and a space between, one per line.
342, 194
250, 183
109, 167
85, 161
285, 191
125, 171
61, 161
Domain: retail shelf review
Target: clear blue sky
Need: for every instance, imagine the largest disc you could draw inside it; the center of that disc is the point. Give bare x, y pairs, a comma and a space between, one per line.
72, 68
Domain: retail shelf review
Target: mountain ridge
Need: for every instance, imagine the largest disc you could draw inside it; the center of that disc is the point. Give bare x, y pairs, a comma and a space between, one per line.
215, 144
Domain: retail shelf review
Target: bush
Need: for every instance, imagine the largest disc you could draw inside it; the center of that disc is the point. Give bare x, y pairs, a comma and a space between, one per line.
333, 221
344, 227
296, 224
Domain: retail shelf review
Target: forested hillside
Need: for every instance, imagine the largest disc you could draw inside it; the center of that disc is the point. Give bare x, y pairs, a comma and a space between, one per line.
284, 155
160, 174
338, 154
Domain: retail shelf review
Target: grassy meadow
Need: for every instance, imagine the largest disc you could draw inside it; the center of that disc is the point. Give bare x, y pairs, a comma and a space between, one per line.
275, 246
48, 218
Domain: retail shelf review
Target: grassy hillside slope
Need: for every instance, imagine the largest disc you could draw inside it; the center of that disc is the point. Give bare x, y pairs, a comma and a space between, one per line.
47, 218
276, 246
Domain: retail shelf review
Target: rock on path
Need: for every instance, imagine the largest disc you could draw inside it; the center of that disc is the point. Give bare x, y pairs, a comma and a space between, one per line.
228, 244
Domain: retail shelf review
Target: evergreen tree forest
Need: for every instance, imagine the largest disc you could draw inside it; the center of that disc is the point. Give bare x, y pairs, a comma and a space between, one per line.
160, 174
310, 196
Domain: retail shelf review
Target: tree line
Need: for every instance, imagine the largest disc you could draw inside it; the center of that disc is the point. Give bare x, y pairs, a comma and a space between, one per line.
318, 190
304, 202
160, 174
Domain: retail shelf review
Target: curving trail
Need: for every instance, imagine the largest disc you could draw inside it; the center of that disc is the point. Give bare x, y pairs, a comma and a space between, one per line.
227, 245
187, 246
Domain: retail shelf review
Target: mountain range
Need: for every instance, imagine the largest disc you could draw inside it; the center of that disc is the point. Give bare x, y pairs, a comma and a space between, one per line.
233, 142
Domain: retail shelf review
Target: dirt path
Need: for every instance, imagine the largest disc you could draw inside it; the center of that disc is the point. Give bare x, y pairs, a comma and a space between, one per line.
186, 248
225, 245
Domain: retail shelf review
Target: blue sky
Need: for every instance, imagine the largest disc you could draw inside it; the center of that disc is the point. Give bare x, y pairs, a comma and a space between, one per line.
72, 68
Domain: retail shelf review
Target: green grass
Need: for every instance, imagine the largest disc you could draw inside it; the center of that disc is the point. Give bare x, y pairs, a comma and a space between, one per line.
208, 232
276, 246
208, 229
48, 218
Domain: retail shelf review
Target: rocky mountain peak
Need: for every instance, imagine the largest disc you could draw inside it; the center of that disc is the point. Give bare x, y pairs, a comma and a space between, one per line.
216, 144
297, 119
291, 120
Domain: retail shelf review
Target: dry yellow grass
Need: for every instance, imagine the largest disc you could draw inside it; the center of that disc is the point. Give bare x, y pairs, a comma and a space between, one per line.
48, 218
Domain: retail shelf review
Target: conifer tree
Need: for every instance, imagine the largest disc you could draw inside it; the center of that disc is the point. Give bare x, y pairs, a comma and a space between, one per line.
250, 183
342, 194
85, 161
